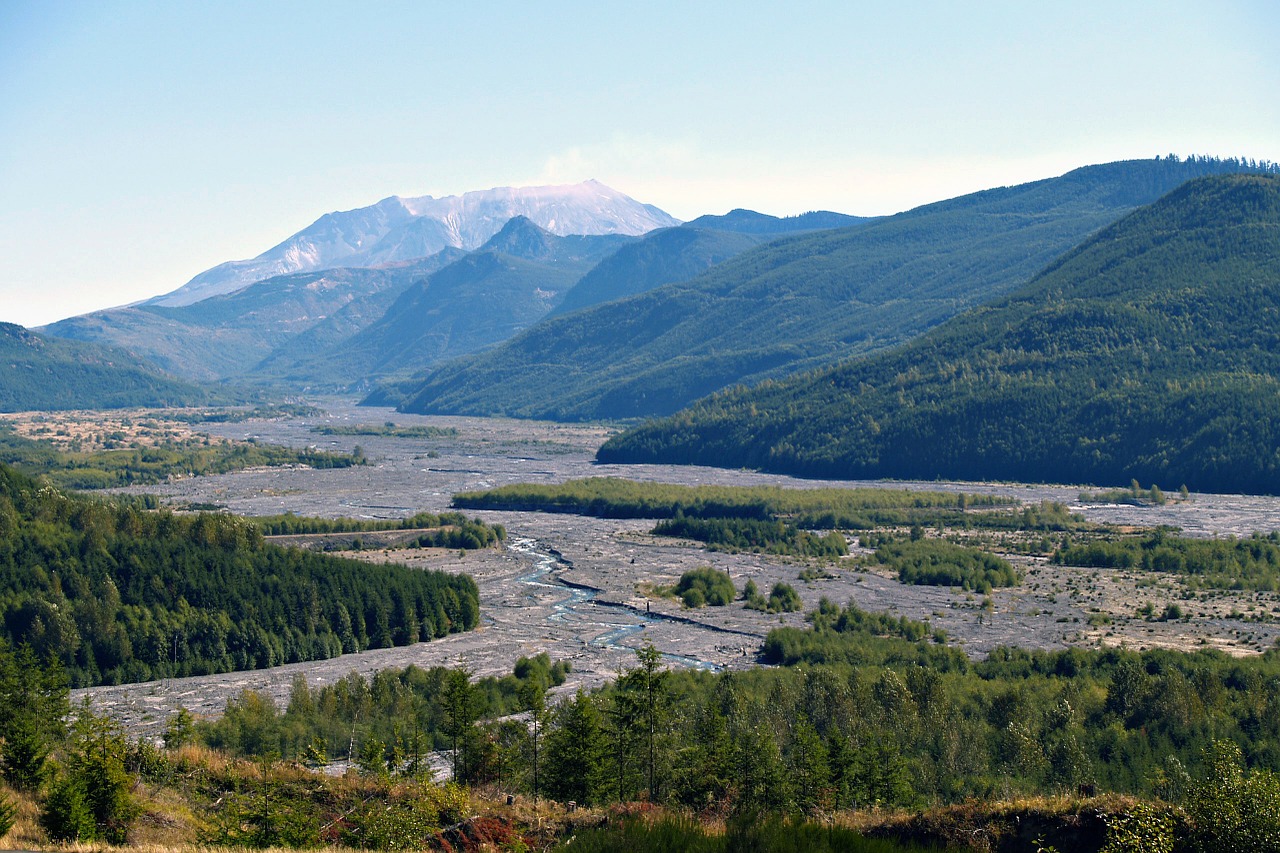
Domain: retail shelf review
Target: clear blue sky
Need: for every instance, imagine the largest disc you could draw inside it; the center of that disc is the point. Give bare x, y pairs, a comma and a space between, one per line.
143, 142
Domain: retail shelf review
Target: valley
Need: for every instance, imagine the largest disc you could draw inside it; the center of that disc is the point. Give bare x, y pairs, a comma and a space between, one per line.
570, 585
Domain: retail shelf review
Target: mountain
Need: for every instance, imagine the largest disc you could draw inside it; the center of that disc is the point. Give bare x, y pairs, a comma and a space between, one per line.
288, 316
797, 303
661, 257
511, 282
750, 222
1150, 352
46, 373
402, 229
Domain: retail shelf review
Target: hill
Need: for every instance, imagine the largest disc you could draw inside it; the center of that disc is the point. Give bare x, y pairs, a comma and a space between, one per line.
1150, 352
39, 372
797, 303
485, 297
286, 316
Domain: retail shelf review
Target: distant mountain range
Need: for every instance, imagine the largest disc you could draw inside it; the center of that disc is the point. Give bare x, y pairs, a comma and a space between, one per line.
1151, 351
404, 229
45, 373
530, 322
347, 327
795, 303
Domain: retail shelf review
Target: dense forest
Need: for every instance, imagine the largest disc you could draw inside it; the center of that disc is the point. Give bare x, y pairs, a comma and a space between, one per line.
46, 373
1148, 353
116, 593
798, 303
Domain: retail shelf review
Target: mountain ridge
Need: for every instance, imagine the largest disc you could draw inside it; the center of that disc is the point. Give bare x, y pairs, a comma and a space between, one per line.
519, 275
49, 373
1149, 352
796, 303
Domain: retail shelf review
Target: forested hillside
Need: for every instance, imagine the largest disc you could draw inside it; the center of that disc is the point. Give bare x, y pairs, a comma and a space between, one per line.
798, 303
42, 373
1150, 352
121, 594
672, 254
745, 221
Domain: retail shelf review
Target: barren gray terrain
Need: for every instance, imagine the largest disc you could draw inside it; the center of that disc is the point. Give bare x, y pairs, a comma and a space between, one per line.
572, 586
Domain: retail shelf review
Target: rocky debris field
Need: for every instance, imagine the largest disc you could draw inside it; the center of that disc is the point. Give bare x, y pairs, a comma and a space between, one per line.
575, 587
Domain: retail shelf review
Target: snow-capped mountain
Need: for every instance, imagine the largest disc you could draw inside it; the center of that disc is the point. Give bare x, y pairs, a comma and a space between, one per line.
402, 229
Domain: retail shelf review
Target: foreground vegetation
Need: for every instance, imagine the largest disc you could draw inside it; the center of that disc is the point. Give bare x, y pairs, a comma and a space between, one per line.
864, 711
115, 593
802, 757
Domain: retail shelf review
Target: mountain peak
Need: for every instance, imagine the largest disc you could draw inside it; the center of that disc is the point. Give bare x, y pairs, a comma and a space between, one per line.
399, 229
522, 238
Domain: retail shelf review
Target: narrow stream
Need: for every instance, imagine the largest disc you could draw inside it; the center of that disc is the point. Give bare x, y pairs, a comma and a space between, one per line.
580, 604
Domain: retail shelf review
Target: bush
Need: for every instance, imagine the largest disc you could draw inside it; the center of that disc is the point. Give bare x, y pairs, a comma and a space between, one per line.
783, 598
705, 585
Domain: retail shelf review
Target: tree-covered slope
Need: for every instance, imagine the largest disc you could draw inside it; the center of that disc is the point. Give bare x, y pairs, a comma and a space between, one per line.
41, 372
799, 302
750, 222
1152, 351
671, 254
120, 594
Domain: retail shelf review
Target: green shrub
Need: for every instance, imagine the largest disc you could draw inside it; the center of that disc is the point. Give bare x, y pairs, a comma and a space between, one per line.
1232, 810
783, 598
705, 585
65, 813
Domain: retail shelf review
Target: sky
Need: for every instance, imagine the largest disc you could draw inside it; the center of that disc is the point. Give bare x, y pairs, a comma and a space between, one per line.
141, 142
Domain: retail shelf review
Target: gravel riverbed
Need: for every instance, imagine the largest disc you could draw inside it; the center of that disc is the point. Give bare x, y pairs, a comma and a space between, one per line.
570, 585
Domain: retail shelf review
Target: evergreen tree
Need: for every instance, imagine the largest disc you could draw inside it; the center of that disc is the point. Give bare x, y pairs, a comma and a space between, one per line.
576, 763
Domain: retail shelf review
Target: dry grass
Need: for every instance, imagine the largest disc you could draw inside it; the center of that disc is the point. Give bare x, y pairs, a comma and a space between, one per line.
98, 430
1067, 823
26, 831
